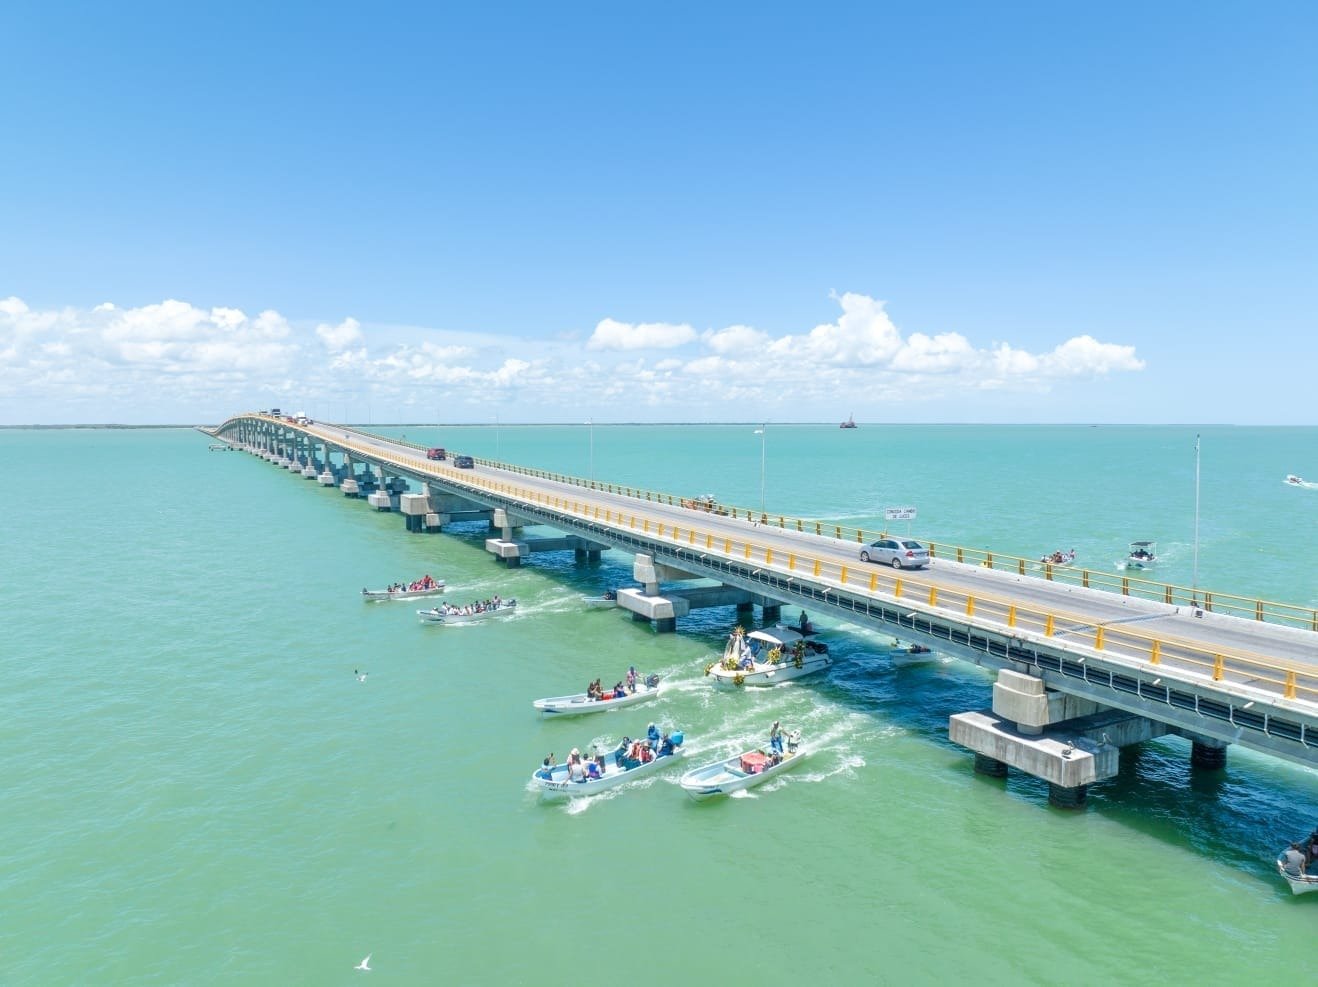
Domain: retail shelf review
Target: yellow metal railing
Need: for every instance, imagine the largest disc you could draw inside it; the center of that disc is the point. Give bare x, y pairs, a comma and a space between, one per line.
1223, 603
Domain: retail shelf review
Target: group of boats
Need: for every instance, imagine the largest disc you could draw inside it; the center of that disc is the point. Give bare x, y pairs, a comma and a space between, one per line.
609, 766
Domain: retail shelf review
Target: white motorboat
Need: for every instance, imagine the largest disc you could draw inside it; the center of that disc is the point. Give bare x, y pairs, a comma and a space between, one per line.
1298, 481
1142, 555
746, 770
582, 703
910, 654
767, 657
622, 763
1301, 883
604, 601
433, 588
448, 614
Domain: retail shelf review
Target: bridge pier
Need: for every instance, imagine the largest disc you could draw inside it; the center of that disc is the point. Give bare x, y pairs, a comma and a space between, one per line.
1207, 755
990, 766
1067, 798
772, 612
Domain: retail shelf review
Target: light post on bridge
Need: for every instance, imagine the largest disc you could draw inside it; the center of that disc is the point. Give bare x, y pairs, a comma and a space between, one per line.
760, 432
591, 423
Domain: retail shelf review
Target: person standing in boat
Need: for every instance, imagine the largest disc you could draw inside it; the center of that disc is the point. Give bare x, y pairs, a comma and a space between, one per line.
776, 738
631, 678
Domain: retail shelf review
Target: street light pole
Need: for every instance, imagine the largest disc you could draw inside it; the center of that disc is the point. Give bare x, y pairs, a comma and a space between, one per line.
591, 423
1194, 579
762, 429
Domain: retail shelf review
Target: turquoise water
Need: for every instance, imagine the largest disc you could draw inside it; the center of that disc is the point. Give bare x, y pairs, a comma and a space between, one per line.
199, 789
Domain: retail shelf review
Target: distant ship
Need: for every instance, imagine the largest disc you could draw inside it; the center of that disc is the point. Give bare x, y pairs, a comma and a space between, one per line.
849, 423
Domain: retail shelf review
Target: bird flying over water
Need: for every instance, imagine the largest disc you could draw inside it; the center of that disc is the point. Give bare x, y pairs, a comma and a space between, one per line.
361, 677
365, 964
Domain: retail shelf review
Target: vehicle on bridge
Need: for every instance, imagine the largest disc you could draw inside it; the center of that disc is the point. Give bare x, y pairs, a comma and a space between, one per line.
464, 462
706, 503
767, 657
435, 453
900, 553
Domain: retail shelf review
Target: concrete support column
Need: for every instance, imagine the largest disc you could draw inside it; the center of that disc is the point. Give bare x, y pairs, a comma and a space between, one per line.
1207, 755
772, 613
666, 625
592, 555
579, 555
745, 612
991, 766
1067, 798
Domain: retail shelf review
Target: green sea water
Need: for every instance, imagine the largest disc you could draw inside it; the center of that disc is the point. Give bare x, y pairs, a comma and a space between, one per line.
199, 790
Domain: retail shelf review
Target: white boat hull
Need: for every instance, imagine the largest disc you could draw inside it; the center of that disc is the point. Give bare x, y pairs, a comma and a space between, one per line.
766, 673
557, 785
1299, 885
725, 777
437, 616
599, 602
580, 704
376, 595
905, 656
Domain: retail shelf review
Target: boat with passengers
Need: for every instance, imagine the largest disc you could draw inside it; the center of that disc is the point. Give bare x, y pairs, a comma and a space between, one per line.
471, 613
1293, 865
767, 657
1142, 554
745, 770
631, 691
583, 776
425, 586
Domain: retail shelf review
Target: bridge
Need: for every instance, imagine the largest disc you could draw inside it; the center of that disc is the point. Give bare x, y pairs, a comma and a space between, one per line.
1087, 662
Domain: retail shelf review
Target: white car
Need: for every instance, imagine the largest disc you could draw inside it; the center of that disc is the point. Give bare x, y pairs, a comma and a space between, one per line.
900, 553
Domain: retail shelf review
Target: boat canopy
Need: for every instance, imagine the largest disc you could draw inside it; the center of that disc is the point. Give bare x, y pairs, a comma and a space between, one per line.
776, 636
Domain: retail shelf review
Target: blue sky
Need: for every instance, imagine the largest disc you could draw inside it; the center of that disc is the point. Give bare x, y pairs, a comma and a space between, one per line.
944, 213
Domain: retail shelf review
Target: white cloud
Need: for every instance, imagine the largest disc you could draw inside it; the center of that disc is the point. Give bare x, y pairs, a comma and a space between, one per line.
127, 364
610, 334
340, 337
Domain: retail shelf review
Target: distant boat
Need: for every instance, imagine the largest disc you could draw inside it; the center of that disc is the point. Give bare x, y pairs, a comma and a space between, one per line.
1298, 481
849, 423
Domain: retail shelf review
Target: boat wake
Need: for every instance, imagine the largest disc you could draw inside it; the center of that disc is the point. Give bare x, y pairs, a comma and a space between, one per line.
1294, 481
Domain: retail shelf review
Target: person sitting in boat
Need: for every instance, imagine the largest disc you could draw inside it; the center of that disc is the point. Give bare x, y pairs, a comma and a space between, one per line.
496, 600
546, 767
652, 681
576, 771
631, 678
593, 771
1292, 861
747, 661
619, 691
1310, 848
666, 745
610, 594
776, 738
652, 736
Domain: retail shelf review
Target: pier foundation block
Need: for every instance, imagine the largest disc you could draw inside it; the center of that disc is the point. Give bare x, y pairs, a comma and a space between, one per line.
772, 613
1207, 755
1067, 798
990, 766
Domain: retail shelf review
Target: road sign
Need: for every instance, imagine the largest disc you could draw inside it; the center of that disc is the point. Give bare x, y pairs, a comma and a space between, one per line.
899, 514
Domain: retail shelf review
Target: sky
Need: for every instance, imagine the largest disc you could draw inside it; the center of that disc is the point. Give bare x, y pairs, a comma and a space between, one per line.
955, 212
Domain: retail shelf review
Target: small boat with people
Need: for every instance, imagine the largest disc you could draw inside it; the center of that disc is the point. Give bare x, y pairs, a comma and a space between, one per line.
767, 657
601, 770
631, 690
448, 613
910, 654
1058, 558
1142, 555
417, 588
605, 601
1294, 863
1298, 481
747, 769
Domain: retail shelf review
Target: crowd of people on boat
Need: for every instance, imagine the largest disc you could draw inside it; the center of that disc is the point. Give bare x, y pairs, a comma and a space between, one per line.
1059, 557
424, 583
625, 686
627, 755
476, 606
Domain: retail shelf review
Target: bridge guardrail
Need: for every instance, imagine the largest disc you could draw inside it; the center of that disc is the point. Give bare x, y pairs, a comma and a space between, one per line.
1285, 614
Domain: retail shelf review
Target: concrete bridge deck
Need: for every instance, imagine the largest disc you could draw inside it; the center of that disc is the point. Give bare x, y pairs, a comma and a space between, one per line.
1215, 678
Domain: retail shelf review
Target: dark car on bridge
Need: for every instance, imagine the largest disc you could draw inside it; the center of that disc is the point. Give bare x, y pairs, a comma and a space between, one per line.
464, 462
436, 453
